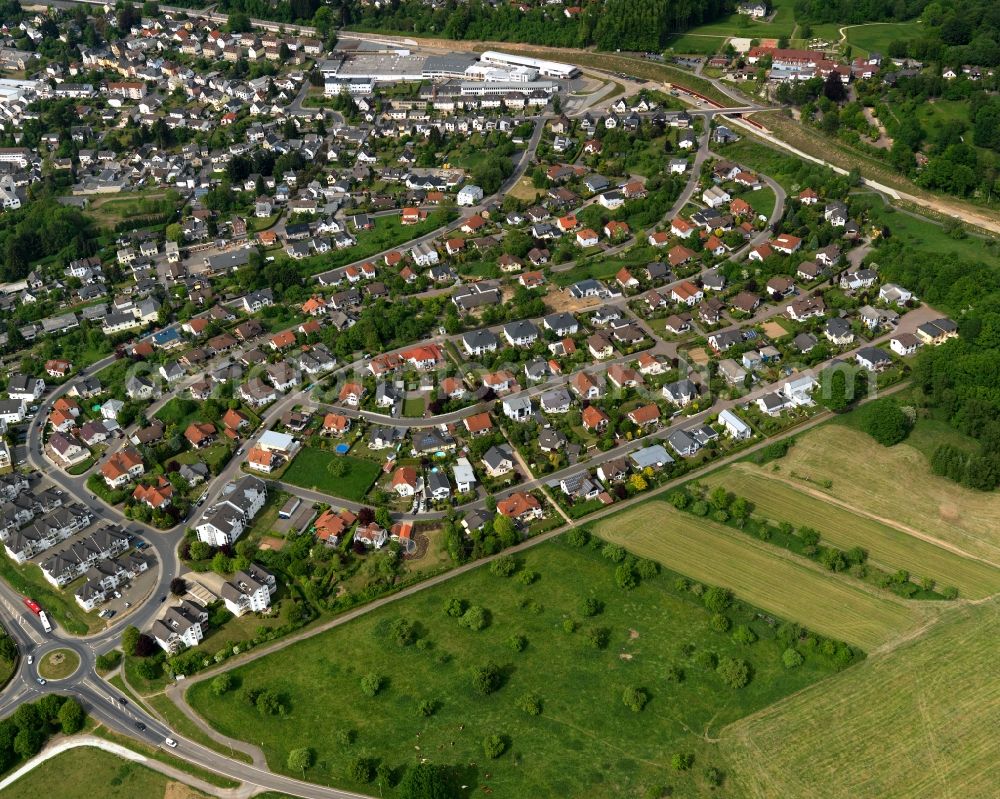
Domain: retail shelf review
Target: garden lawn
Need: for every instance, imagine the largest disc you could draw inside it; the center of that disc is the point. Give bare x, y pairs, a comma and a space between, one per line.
585, 742
780, 583
916, 723
96, 773
888, 547
311, 469
180, 412
896, 484
388, 232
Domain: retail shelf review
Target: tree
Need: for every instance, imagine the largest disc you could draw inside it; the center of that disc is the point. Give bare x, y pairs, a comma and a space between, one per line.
476, 618
301, 759
486, 678
130, 640
504, 566
494, 745
530, 704
28, 742
222, 684
371, 684
426, 781
625, 577
71, 716
635, 699
504, 527
734, 673
792, 658
884, 421
717, 599
833, 88
178, 586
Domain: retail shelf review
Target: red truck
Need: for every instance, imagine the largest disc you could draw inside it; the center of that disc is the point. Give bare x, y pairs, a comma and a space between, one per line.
32, 605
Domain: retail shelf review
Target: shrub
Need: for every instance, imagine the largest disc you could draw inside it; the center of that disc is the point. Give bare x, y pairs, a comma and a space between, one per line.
613, 552
700, 508
486, 678
647, 569
517, 642
527, 577
222, 684
714, 776
109, 660
569, 626
635, 699
530, 704
744, 635
475, 618
362, 769
598, 637
792, 658
625, 577
427, 707
301, 759
403, 632
681, 762
371, 684
577, 537
455, 607
494, 745
720, 623
734, 673
345, 738
673, 674
591, 606
504, 566
949, 592
717, 599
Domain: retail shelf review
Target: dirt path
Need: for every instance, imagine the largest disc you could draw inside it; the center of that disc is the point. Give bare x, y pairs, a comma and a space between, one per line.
903, 528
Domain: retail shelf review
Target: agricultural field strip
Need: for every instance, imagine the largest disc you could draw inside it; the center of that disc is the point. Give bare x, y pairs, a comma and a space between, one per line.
761, 574
889, 547
896, 484
916, 723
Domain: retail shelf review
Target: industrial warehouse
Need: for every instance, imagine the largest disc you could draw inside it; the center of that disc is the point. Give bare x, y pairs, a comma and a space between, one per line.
356, 67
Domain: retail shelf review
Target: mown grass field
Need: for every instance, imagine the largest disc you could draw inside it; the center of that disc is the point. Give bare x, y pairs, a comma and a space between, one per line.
311, 469
865, 39
916, 723
888, 547
778, 582
86, 773
896, 484
584, 743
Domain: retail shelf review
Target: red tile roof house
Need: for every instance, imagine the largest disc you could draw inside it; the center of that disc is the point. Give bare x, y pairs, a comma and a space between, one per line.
587, 238
351, 394
520, 507
405, 481
425, 357
335, 424
330, 525
453, 388
687, 293
658, 239
478, 424
200, 434
280, 341
155, 496
645, 415
594, 419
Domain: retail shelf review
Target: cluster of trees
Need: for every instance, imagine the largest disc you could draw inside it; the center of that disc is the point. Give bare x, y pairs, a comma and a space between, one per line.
39, 230
23, 734
885, 421
857, 11
644, 25
960, 380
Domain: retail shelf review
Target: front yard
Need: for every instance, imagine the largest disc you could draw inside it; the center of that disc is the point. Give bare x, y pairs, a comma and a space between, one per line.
315, 469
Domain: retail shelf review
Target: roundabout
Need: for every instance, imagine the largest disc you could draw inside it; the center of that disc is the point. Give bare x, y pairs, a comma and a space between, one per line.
59, 664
